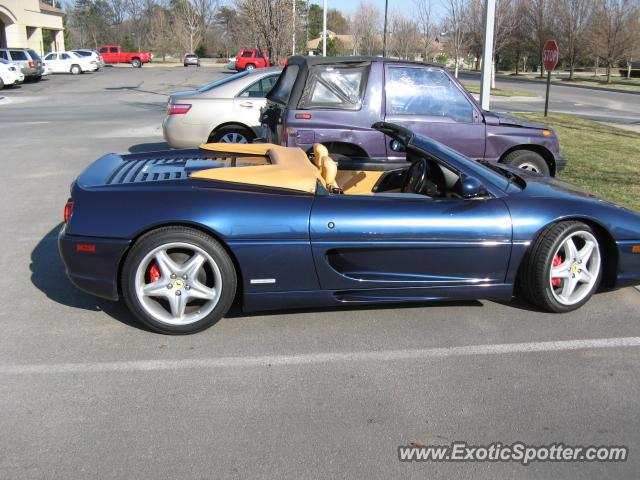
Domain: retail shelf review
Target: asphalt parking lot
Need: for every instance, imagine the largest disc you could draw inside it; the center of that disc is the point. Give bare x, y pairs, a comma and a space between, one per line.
86, 393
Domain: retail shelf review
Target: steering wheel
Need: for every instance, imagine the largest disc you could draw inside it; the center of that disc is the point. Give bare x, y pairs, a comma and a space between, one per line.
415, 178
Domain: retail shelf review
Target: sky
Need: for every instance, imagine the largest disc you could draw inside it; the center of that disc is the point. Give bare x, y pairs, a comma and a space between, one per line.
404, 6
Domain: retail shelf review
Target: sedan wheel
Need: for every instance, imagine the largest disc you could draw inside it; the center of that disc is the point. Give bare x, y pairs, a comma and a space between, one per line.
232, 134
563, 267
75, 69
178, 280
233, 137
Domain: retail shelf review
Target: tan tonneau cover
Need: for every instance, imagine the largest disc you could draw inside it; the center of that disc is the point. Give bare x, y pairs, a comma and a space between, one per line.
290, 167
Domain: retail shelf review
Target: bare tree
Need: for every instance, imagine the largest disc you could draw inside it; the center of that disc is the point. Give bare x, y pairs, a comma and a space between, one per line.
270, 24
426, 26
540, 25
614, 31
366, 29
188, 25
574, 17
405, 36
456, 31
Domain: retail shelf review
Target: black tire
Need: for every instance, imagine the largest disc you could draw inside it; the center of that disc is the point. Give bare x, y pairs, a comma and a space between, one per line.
229, 131
1, 84
528, 160
37, 78
136, 63
166, 235
534, 274
75, 69
250, 66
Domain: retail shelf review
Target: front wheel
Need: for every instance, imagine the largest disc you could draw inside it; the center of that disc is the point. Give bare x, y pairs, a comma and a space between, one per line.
563, 268
177, 280
136, 63
528, 160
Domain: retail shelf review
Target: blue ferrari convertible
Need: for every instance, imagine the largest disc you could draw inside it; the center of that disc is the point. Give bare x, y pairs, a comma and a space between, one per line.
180, 234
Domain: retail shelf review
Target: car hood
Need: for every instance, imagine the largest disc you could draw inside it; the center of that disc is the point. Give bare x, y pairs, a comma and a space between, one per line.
510, 120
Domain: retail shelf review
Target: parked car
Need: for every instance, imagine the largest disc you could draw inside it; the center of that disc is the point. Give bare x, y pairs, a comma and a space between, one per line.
191, 59
635, 70
45, 69
114, 54
10, 74
231, 64
248, 59
28, 59
336, 100
179, 233
87, 52
69, 62
227, 110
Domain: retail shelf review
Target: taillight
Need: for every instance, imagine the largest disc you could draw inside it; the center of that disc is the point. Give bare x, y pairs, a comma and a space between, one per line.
303, 116
178, 108
68, 210
32, 64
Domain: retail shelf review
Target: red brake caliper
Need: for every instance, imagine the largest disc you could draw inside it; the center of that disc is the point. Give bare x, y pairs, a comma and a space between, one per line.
154, 273
556, 281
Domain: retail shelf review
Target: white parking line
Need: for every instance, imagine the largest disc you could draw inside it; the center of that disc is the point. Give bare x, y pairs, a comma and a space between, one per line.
320, 358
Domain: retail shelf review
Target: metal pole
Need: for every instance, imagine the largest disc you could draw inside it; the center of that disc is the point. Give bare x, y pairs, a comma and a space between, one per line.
384, 34
546, 99
324, 28
293, 40
487, 54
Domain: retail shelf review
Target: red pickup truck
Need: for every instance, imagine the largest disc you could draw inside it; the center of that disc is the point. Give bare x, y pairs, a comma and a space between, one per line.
114, 54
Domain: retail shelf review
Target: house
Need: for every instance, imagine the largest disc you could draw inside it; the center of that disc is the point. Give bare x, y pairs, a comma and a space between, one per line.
35, 24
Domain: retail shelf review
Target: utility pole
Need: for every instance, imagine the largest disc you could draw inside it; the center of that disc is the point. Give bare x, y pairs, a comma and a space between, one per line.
487, 53
384, 33
293, 40
324, 28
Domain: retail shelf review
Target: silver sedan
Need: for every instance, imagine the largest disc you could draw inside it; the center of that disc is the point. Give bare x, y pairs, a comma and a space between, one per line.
227, 110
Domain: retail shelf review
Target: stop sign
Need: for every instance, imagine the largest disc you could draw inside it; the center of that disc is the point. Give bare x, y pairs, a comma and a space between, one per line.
550, 55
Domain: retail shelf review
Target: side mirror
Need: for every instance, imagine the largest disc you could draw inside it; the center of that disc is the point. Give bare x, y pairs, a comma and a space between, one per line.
396, 146
473, 188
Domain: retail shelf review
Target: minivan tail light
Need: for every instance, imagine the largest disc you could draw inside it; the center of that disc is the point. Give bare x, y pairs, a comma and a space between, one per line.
303, 116
178, 108
68, 210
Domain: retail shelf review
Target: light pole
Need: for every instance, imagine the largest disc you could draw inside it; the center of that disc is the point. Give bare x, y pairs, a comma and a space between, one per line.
487, 54
384, 33
324, 28
293, 40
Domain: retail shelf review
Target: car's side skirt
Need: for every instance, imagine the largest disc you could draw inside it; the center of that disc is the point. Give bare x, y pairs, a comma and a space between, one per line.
326, 298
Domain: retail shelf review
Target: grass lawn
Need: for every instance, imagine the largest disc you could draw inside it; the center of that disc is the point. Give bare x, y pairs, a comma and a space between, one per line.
499, 92
601, 159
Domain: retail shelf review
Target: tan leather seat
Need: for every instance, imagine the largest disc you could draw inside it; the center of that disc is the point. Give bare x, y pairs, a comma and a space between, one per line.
319, 151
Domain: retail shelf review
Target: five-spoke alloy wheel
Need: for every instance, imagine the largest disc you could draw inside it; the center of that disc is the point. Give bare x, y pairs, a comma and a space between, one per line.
178, 280
563, 267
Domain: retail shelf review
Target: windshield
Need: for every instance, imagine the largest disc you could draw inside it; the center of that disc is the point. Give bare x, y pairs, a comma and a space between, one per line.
222, 81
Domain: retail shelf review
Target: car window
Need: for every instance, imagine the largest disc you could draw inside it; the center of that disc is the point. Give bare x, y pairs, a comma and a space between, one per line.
247, 54
113, 50
259, 54
82, 54
425, 91
64, 56
4, 55
268, 83
103, 50
34, 55
18, 55
51, 56
260, 88
281, 92
335, 87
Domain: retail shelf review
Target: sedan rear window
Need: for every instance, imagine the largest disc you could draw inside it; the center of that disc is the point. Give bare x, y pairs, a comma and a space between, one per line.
335, 87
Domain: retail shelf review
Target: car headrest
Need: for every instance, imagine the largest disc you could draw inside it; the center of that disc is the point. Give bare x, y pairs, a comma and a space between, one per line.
329, 172
319, 151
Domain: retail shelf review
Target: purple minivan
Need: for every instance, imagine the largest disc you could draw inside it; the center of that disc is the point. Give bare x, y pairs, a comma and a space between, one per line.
335, 100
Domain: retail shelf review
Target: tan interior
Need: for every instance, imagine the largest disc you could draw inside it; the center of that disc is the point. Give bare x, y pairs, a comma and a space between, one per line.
290, 168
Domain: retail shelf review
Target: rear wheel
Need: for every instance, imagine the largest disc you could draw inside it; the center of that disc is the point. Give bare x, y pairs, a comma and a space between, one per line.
528, 160
178, 281
136, 63
232, 134
563, 268
75, 69
250, 66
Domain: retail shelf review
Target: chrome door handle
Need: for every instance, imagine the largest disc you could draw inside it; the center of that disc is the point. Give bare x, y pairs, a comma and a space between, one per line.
247, 105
